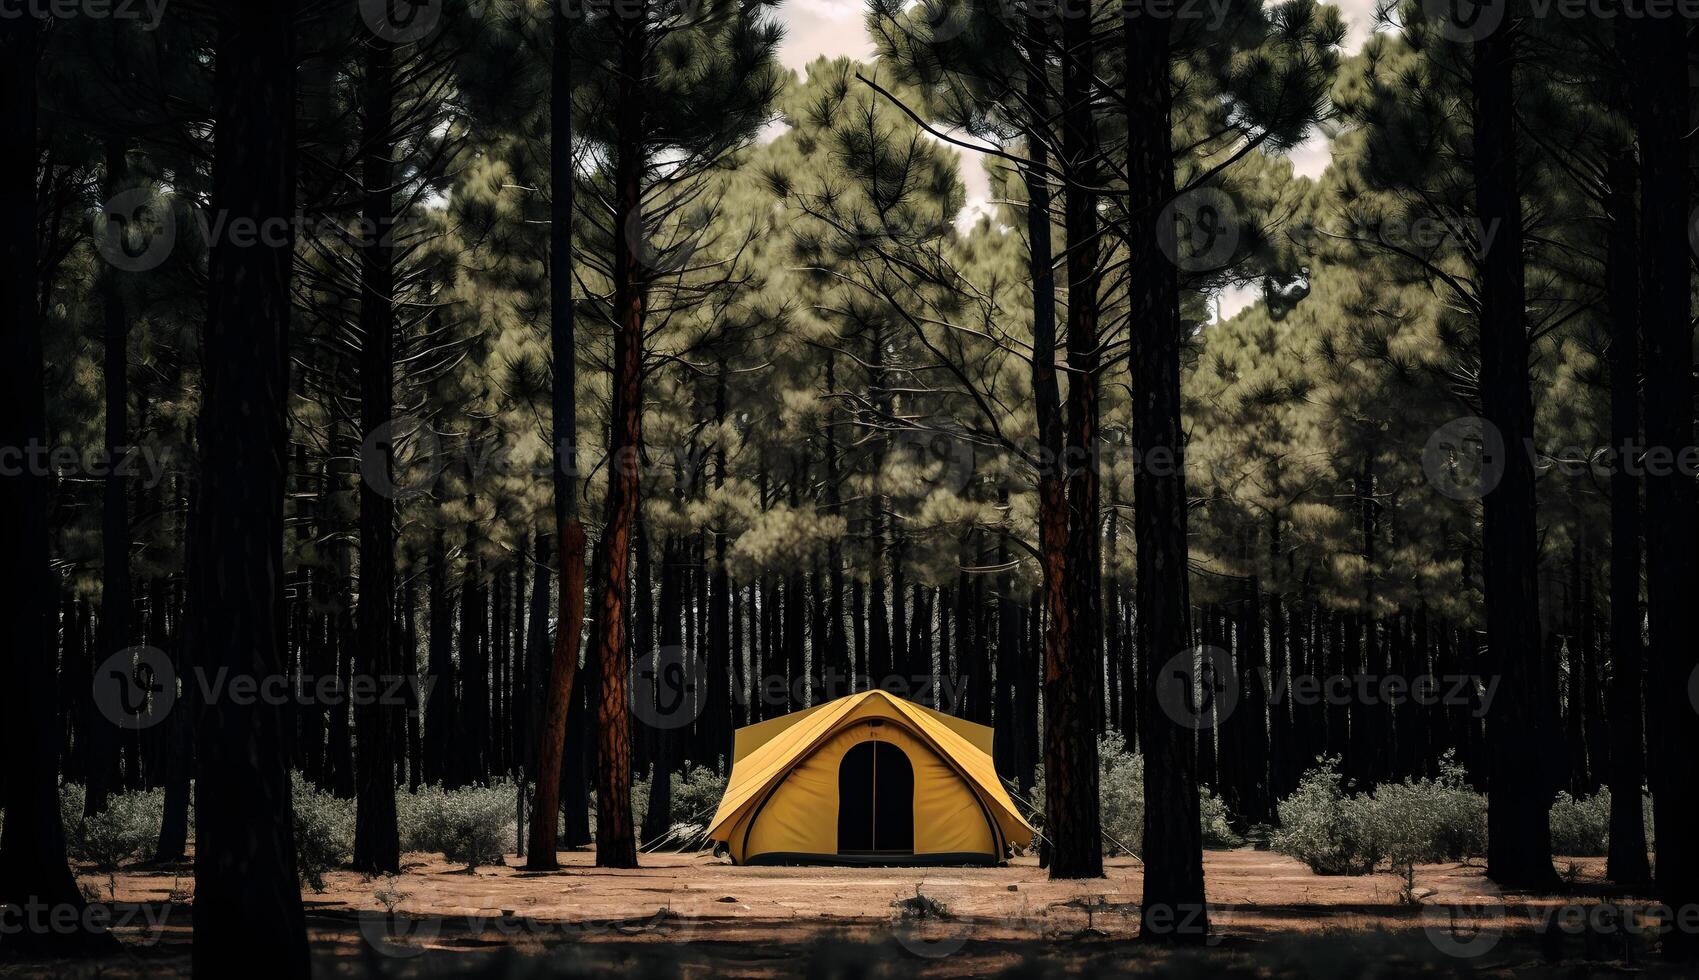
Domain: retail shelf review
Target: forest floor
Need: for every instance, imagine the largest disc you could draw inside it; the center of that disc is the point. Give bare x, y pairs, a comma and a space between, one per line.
693, 916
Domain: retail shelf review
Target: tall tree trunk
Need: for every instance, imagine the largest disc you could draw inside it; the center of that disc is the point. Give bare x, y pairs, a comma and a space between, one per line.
1047, 402
1519, 721
569, 530
1071, 664
115, 593
32, 845
408, 647
377, 840
247, 897
442, 707
537, 658
1672, 554
657, 819
716, 724
616, 842
1173, 907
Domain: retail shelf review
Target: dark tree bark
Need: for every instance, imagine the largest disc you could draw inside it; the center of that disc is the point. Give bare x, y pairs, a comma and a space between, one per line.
1070, 526
247, 898
377, 840
1173, 906
32, 845
569, 529
442, 707
1672, 553
1626, 862
716, 726
1519, 721
179, 734
471, 740
115, 591
657, 820
408, 654
537, 657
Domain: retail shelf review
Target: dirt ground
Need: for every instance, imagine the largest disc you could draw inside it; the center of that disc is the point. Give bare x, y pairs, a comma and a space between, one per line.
690, 916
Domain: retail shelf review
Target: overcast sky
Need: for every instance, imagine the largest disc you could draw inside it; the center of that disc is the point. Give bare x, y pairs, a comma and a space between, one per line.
815, 28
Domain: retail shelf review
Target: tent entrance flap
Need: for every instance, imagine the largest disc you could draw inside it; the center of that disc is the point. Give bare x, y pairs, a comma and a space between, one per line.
875, 800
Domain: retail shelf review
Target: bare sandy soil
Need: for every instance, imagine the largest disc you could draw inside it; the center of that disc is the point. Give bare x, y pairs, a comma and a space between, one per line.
690, 915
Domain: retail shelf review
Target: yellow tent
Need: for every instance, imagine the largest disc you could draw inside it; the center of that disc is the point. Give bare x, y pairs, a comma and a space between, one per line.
866, 779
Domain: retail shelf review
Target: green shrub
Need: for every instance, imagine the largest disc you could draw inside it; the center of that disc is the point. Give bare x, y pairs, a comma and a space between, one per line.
696, 796
1324, 827
1581, 827
125, 831
472, 826
1419, 821
697, 792
1212, 814
324, 831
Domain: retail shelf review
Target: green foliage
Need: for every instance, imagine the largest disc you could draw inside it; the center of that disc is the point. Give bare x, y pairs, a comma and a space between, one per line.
1335, 832
471, 826
1581, 827
324, 831
696, 793
125, 831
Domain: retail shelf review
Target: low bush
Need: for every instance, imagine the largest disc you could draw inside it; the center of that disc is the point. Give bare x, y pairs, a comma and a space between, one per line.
1324, 827
324, 831
696, 793
1335, 831
1581, 827
125, 831
473, 825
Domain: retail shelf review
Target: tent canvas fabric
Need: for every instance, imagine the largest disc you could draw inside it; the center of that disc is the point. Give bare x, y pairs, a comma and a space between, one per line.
791, 775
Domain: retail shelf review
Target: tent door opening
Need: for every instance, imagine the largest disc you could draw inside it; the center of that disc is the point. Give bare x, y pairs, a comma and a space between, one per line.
875, 800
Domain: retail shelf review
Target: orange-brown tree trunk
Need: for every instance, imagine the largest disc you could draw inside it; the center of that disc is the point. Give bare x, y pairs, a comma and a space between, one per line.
616, 838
